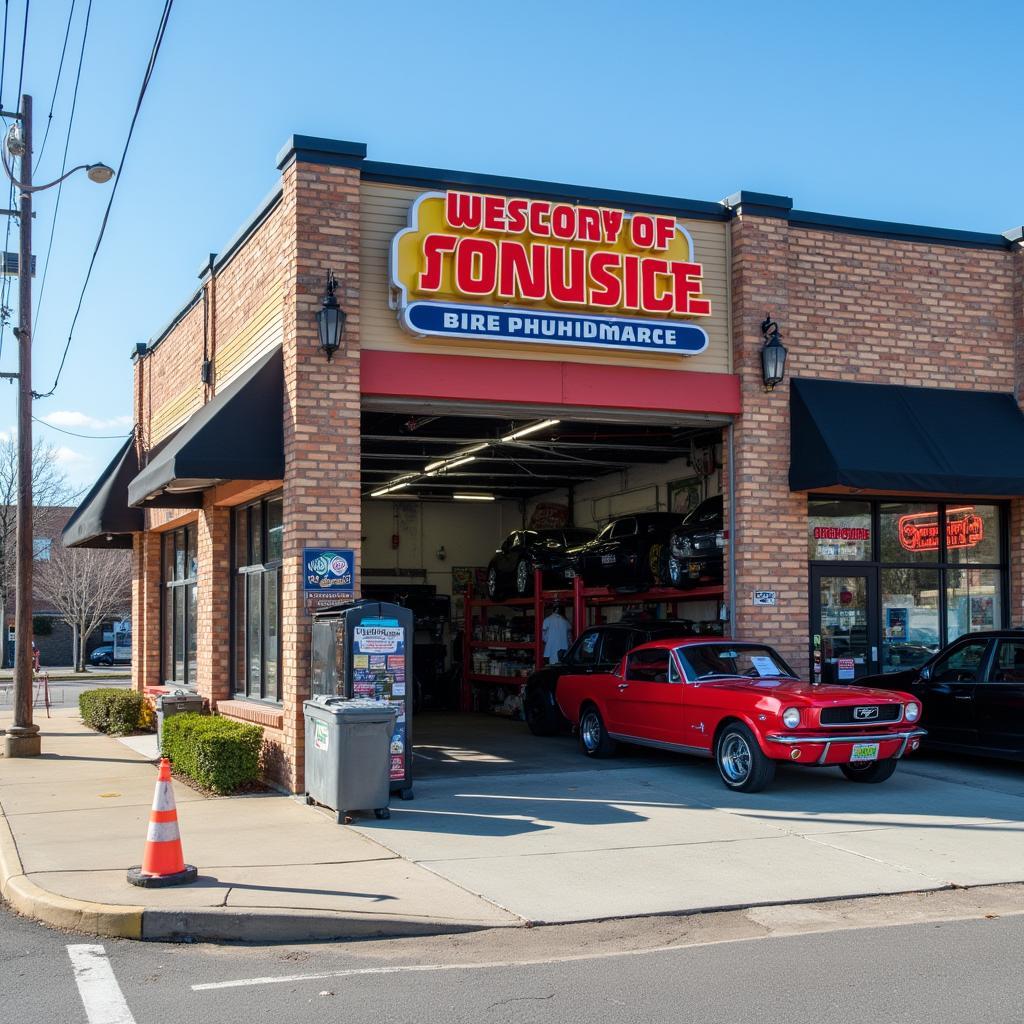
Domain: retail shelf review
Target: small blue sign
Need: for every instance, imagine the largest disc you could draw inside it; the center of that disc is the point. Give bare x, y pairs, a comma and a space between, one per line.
453, 320
328, 571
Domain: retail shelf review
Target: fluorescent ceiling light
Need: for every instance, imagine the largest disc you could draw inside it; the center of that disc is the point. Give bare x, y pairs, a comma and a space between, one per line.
434, 465
387, 490
473, 497
446, 464
532, 429
476, 448
460, 462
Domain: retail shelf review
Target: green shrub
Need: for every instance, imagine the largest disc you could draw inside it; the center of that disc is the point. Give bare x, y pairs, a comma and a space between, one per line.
111, 710
217, 753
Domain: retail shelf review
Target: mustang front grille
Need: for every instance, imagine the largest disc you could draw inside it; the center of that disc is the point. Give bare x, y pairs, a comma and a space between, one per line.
862, 714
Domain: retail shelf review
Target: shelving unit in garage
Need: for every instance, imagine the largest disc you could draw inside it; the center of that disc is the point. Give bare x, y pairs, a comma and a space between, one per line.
582, 599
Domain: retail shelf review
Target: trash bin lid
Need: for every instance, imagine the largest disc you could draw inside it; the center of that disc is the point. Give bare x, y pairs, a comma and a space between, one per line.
354, 707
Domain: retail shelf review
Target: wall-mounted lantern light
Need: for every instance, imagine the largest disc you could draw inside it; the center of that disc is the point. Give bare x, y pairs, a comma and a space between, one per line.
773, 354
330, 320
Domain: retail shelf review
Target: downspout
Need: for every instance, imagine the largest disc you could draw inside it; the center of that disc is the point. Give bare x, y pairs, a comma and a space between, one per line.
732, 532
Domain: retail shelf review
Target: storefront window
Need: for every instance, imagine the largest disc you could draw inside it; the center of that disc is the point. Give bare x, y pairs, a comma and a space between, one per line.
839, 531
973, 535
909, 532
256, 632
972, 601
910, 617
180, 569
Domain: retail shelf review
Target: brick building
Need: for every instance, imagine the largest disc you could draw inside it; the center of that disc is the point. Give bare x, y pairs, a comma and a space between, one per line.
865, 523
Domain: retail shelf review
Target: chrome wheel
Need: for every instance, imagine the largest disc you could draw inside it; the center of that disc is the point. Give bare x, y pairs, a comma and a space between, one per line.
734, 757
590, 730
522, 578
492, 583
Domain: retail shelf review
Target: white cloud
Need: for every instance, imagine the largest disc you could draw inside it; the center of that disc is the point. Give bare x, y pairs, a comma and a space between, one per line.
68, 456
72, 420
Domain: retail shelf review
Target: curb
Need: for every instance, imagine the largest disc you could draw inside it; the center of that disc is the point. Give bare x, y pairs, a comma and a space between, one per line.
33, 901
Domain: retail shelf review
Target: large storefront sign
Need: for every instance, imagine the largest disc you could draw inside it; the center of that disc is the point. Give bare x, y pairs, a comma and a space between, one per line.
515, 269
920, 531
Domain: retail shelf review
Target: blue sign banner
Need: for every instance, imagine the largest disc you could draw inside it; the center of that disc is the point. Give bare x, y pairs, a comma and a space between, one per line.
453, 320
328, 571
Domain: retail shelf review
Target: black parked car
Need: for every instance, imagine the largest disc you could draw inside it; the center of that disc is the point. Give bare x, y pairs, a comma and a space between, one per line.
598, 649
695, 549
628, 552
972, 692
511, 569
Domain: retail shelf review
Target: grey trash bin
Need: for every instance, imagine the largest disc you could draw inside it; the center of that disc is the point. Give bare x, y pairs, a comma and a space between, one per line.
348, 754
168, 704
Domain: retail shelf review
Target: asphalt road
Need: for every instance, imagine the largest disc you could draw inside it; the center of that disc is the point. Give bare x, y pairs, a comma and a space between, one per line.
935, 972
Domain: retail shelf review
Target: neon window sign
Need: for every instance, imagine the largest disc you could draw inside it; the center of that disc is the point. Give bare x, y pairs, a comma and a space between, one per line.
920, 530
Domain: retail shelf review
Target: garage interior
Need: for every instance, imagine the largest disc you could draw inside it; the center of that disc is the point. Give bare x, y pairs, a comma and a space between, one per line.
441, 490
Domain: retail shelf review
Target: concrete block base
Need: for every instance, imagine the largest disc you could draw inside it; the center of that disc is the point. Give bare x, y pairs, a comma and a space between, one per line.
22, 746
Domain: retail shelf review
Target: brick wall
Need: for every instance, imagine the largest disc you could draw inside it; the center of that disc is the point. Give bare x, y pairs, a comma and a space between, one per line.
851, 308
322, 426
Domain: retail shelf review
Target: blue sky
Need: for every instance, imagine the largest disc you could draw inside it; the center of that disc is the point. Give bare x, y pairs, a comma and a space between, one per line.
907, 112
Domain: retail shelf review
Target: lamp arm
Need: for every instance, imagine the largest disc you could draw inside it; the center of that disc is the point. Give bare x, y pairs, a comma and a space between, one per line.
36, 188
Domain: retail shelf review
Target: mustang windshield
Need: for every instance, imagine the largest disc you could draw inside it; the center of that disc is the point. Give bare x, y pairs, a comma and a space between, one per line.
717, 661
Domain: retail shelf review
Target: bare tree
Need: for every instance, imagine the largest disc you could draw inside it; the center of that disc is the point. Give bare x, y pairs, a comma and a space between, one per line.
50, 490
86, 585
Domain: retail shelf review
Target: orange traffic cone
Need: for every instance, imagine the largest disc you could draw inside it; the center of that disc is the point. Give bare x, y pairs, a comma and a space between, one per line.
162, 862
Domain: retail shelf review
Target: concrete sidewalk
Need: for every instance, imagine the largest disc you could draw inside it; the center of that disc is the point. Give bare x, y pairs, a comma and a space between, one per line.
271, 869
630, 837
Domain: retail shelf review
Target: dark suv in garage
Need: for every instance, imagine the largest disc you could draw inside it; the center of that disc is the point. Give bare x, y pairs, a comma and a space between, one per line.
511, 569
597, 649
695, 549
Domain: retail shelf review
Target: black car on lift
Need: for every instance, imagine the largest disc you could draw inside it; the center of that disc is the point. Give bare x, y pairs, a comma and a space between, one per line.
597, 649
511, 569
695, 549
628, 552
972, 693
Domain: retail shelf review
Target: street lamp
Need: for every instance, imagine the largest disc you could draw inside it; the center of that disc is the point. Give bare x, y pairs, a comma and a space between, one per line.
22, 739
773, 354
330, 320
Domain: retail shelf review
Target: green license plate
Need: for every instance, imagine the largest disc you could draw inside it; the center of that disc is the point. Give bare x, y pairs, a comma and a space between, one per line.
864, 752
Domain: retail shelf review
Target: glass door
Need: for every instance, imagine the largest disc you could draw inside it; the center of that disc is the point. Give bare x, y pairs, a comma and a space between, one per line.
844, 624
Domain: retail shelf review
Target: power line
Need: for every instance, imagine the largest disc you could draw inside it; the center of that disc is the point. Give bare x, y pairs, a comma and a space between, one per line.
56, 84
88, 437
63, 168
161, 28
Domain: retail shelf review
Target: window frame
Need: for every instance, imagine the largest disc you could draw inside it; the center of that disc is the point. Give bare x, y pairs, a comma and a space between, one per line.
874, 563
182, 538
245, 688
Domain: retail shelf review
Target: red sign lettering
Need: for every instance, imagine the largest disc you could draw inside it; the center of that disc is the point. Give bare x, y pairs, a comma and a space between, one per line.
841, 533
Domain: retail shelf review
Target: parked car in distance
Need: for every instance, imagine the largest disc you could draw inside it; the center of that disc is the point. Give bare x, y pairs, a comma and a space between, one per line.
105, 656
628, 552
597, 649
741, 704
972, 692
695, 550
511, 569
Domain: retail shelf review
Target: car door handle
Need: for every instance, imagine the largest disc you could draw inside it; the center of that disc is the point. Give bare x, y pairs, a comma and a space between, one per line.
623, 686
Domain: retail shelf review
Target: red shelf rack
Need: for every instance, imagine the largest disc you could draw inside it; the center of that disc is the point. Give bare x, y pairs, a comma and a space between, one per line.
581, 597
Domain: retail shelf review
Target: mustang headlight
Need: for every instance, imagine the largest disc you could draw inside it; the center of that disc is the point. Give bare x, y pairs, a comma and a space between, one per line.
912, 712
791, 718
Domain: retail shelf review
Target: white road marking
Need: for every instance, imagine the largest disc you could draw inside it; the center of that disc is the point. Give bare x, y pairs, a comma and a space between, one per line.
421, 968
101, 995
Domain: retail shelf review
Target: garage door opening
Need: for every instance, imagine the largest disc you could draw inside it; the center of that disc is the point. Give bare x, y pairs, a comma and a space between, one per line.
456, 502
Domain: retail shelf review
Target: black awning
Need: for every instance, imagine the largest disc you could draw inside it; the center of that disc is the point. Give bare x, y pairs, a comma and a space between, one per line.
238, 435
104, 520
884, 437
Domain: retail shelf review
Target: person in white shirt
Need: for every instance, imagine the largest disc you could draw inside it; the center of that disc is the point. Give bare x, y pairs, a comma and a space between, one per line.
556, 634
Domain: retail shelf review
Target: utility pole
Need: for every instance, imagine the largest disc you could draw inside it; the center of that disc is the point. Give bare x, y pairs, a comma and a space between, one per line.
22, 739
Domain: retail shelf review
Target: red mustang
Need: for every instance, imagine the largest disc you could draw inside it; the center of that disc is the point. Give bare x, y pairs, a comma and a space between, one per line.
741, 704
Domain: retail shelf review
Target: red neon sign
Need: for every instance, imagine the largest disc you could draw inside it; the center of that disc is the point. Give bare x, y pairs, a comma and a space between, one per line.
920, 531
841, 533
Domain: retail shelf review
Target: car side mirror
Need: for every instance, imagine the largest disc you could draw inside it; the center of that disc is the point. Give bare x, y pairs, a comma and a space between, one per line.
926, 673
